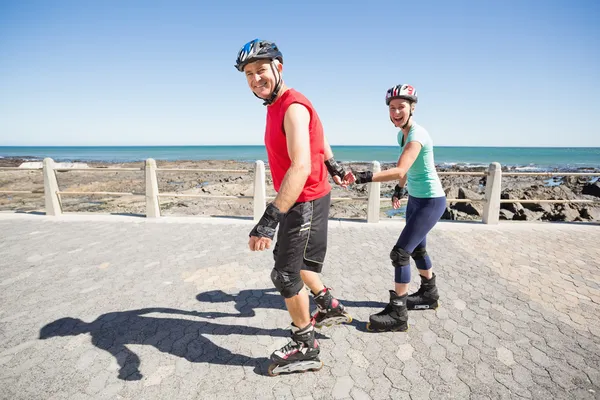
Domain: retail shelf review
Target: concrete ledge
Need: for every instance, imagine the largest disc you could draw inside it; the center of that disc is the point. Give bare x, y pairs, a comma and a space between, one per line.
333, 222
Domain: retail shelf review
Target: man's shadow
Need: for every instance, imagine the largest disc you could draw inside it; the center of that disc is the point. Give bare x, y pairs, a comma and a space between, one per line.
247, 301
181, 337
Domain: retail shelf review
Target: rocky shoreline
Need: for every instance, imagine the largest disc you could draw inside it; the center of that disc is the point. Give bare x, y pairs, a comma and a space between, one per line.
529, 187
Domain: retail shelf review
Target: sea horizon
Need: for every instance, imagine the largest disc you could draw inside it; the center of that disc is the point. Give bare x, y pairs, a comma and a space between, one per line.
522, 157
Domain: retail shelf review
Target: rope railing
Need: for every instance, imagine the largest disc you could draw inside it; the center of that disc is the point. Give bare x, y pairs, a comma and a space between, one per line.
491, 201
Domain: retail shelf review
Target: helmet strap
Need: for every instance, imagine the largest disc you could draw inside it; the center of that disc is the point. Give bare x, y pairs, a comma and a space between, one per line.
409, 116
407, 120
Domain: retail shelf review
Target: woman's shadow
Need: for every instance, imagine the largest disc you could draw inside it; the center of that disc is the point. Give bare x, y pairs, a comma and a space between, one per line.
184, 338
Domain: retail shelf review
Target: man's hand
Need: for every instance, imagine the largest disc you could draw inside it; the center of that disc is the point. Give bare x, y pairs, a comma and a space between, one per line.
349, 179
399, 193
262, 234
337, 172
259, 243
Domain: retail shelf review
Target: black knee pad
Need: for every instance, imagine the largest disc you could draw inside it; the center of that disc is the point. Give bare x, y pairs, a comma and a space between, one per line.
288, 284
419, 253
399, 257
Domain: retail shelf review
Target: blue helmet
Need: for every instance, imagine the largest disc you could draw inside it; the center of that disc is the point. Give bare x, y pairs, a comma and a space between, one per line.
257, 50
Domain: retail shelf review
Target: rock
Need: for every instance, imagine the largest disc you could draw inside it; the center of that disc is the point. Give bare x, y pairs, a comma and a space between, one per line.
527, 215
585, 214
538, 207
450, 214
467, 208
451, 192
564, 212
590, 213
506, 215
593, 189
574, 181
468, 194
559, 192
512, 207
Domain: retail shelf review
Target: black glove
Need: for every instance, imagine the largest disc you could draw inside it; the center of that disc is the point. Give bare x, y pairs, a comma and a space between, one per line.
334, 168
268, 223
399, 192
363, 177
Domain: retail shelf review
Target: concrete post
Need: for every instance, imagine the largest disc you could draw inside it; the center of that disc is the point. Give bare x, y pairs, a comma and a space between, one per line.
51, 198
374, 197
260, 190
152, 205
493, 188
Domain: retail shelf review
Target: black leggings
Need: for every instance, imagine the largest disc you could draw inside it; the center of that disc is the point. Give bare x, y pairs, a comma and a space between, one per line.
421, 217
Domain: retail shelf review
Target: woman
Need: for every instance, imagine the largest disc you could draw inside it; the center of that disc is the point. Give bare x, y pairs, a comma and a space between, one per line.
426, 204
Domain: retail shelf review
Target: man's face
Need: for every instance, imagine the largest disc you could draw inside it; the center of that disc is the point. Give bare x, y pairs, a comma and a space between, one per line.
261, 77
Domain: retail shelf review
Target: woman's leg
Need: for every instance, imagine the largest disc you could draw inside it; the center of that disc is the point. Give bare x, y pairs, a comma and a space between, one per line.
423, 216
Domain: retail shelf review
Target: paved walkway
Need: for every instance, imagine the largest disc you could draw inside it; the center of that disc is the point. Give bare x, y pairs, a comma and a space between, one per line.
129, 308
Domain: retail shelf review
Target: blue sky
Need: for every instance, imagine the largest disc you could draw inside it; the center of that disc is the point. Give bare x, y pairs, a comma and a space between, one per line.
489, 73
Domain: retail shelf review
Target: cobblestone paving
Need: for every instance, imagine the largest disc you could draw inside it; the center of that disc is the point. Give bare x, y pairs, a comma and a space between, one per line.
128, 308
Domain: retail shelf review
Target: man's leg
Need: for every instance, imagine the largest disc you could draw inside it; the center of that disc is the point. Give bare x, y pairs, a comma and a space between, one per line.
302, 352
329, 310
298, 308
313, 281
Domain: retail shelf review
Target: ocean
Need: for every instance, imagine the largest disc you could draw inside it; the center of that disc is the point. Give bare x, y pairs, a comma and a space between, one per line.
524, 158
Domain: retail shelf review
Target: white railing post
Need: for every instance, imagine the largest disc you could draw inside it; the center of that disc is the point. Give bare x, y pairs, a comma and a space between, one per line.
493, 188
152, 205
374, 197
260, 190
51, 198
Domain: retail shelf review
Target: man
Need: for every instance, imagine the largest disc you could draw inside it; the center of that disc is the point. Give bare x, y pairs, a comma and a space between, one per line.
299, 159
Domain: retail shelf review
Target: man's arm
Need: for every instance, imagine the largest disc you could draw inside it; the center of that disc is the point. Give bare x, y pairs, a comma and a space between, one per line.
337, 172
328, 151
295, 124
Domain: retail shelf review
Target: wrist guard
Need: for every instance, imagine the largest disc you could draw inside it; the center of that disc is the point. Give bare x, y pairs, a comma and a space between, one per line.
363, 177
399, 192
334, 168
268, 223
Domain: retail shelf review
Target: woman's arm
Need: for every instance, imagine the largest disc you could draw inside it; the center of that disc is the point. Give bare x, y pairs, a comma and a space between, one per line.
406, 160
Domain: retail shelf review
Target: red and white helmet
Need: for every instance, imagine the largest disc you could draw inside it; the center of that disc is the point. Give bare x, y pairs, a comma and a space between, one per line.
404, 91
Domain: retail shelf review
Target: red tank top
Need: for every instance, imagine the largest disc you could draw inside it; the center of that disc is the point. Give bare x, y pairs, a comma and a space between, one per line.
317, 185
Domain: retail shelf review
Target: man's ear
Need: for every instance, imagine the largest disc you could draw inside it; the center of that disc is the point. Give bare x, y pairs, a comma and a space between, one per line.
279, 66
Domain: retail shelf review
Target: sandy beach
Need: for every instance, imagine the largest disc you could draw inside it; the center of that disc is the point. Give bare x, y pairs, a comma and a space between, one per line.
238, 183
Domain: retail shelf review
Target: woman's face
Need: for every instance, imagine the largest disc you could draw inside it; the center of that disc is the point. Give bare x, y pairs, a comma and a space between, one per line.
400, 111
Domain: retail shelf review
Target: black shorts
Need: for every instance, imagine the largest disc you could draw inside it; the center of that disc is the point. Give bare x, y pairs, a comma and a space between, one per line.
302, 236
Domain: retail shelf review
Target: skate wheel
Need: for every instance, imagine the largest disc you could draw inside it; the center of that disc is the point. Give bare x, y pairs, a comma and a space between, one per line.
400, 330
385, 330
273, 366
316, 369
271, 369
